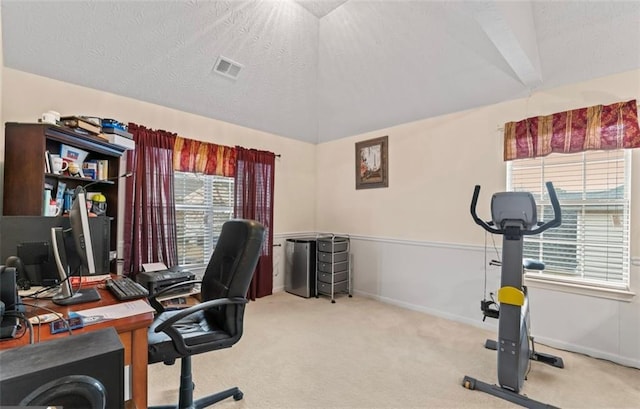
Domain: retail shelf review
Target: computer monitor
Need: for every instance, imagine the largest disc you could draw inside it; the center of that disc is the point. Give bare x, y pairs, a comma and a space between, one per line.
29, 238
79, 219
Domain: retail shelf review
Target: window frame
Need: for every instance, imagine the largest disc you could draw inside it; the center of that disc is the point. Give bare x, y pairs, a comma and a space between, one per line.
579, 285
209, 208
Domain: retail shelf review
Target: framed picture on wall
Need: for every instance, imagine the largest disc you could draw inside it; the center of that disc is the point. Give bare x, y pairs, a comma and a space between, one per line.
372, 168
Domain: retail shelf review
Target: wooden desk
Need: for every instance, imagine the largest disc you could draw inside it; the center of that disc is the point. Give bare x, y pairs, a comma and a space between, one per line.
132, 332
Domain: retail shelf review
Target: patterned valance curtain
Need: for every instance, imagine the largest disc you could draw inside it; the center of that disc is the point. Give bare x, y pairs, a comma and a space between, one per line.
194, 156
600, 127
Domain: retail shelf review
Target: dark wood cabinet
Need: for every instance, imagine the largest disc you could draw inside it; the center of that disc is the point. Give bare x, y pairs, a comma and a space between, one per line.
26, 146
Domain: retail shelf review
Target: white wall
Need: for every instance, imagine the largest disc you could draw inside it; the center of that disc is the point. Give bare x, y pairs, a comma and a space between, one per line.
415, 244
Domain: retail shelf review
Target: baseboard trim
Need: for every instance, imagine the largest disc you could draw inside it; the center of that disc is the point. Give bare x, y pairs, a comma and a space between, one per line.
593, 353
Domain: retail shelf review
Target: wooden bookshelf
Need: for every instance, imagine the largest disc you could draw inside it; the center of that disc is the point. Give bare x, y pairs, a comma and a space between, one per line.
25, 177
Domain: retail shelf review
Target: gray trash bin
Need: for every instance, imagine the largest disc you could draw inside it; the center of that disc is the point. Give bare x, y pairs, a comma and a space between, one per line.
300, 267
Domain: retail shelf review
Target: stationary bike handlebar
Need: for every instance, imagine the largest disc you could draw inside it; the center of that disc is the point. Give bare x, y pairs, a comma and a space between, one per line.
555, 222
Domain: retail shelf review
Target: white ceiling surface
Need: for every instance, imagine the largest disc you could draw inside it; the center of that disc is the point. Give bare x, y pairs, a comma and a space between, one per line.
322, 70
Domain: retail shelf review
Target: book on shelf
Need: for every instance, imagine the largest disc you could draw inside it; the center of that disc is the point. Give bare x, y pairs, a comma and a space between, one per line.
103, 169
117, 131
89, 173
121, 141
46, 199
47, 162
90, 169
79, 122
91, 119
59, 199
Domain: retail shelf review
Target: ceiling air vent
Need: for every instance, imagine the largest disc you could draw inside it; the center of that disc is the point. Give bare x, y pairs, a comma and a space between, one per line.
227, 67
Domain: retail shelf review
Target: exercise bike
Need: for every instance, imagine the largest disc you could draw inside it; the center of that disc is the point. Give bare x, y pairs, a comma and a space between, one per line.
514, 216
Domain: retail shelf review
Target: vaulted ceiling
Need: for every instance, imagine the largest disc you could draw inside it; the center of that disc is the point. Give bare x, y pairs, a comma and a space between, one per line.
322, 70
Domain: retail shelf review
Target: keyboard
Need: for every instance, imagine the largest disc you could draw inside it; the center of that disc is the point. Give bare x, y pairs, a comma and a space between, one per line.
124, 288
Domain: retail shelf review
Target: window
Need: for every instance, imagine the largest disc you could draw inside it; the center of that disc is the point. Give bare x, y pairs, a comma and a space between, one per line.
203, 204
591, 247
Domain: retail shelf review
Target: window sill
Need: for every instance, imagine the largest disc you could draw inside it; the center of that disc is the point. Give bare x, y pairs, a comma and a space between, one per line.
581, 289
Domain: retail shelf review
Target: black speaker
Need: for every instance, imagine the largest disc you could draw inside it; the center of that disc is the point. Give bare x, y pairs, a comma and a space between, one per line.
78, 371
10, 302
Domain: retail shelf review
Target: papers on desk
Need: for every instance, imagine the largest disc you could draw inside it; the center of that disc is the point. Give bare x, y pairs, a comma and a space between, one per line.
115, 311
150, 267
39, 292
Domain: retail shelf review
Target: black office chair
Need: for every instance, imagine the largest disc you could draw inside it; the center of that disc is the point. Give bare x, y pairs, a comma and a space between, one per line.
217, 321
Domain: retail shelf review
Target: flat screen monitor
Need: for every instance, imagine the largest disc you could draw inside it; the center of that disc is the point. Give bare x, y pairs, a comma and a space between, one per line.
79, 219
29, 238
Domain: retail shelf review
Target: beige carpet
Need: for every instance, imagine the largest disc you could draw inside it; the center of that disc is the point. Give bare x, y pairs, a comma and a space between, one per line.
361, 353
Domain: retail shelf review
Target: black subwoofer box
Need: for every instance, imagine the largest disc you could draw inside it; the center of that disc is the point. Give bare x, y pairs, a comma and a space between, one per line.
70, 371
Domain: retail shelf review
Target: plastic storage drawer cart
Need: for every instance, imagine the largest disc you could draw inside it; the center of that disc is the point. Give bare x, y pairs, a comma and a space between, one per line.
333, 272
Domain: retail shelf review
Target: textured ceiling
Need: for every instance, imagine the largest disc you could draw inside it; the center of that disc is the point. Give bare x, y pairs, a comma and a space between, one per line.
322, 70
320, 8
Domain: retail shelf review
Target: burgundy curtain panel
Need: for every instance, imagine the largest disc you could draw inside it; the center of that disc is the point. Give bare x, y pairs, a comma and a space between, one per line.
254, 200
149, 217
599, 127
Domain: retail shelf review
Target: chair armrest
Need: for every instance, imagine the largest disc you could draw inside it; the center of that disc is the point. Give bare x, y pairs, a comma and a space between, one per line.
153, 298
174, 334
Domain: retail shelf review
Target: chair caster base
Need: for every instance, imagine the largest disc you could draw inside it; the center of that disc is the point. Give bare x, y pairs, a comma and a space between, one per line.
206, 401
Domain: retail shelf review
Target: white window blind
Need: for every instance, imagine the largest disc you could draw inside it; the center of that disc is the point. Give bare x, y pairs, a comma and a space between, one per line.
203, 204
591, 247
